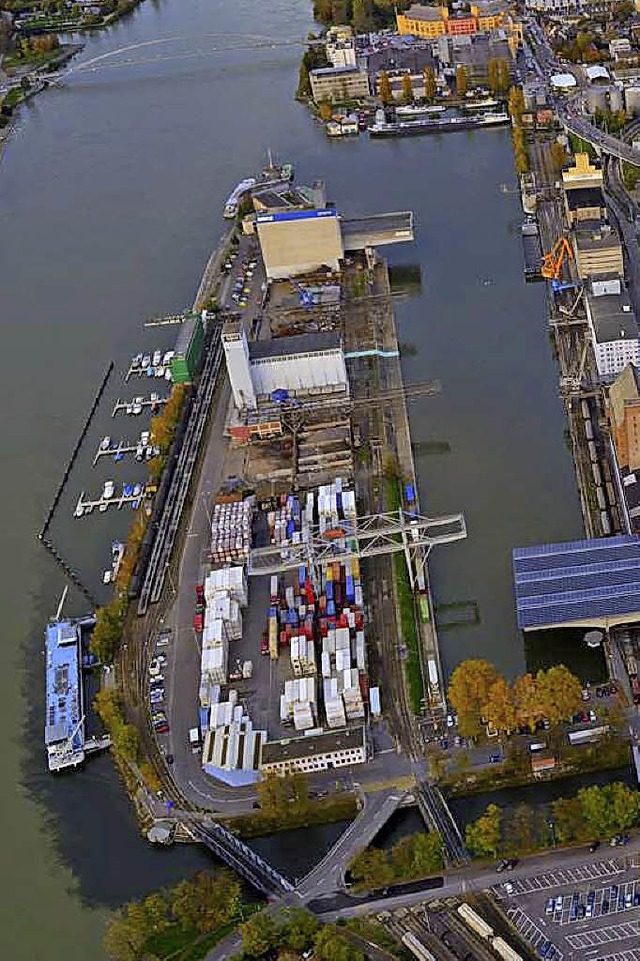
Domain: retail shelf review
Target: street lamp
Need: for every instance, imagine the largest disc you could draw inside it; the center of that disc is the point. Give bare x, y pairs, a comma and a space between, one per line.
552, 828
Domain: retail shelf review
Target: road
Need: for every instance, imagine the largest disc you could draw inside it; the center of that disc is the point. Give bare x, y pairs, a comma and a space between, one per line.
328, 875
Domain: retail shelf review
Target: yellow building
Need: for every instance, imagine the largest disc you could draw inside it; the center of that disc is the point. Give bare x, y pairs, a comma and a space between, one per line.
582, 174
423, 21
435, 21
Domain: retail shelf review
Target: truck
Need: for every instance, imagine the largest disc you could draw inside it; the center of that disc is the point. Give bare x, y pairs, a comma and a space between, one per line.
588, 734
195, 741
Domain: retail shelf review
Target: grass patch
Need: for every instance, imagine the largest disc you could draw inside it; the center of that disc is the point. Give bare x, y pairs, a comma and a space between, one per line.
316, 811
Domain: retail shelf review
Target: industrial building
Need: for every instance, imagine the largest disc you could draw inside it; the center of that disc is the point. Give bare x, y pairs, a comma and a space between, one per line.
597, 249
584, 203
623, 412
475, 52
299, 241
339, 83
590, 583
314, 752
340, 48
613, 325
292, 364
231, 749
187, 357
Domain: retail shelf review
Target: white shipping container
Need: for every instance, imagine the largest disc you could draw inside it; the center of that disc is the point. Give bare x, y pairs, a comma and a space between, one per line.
374, 701
326, 664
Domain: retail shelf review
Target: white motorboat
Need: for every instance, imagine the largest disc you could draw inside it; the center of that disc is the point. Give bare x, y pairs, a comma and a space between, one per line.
104, 443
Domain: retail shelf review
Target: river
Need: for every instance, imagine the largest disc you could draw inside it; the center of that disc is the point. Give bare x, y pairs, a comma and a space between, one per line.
111, 190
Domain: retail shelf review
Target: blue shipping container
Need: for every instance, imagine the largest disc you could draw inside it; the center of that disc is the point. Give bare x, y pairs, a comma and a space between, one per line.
331, 608
410, 494
204, 719
290, 528
329, 590
302, 576
273, 612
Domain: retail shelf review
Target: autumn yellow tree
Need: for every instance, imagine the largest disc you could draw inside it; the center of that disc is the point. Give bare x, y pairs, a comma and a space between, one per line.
499, 708
516, 104
462, 80
504, 76
468, 692
527, 703
407, 89
493, 72
559, 693
430, 86
384, 87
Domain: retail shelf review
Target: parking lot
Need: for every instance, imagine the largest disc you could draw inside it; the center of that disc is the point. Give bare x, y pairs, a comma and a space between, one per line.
588, 913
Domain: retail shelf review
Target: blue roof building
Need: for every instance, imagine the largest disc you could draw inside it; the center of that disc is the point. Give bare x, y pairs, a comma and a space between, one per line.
64, 731
590, 583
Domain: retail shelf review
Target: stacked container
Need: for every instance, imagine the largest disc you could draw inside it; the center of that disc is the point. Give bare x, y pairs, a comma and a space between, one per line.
225, 608
349, 682
227, 580
299, 703
231, 531
303, 658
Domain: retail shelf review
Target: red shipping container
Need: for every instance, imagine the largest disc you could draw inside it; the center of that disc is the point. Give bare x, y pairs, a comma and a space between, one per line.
322, 603
364, 687
283, 638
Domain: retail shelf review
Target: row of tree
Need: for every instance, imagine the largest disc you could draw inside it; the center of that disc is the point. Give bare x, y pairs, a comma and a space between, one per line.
293, 936
187, 912
363, 15
415, 856
124, 736
481, 696
593, 812
31, 48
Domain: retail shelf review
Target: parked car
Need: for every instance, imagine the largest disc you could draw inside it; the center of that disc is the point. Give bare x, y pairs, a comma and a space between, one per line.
550, 906
559, 900
198, 623
594, 846
494, 758
264, 646
199, 593
501, 865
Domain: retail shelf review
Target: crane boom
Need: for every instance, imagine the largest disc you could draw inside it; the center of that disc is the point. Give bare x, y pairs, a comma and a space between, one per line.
554, 260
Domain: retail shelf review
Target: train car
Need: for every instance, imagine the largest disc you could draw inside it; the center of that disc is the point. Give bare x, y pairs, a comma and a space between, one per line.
585, 408
475, 922
416, 947
505, 950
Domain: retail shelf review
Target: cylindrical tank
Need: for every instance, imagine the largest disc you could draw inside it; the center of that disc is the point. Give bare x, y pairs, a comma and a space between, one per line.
596, 98
615, 98
632, 100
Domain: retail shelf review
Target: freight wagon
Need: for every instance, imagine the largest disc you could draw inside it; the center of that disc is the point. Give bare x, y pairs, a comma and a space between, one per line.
505, 950
416, 947
475, 922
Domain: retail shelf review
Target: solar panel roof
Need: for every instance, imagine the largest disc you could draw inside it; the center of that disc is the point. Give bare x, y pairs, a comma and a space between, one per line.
577, 581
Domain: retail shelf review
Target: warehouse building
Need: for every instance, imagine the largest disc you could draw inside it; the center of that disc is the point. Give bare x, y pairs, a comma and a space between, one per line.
590, 583
299, 241
597, 249
231, 753
613, 326
291, 364
584, 203
187, 357
319, 752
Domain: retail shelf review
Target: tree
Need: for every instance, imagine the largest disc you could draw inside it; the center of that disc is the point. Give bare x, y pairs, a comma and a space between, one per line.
483, 835
207, 902
430, 86
516, 103
468, 691
407, 89
525, 694
504, 75
384, 87
330, 945
559, 692
462, 80
361, 16
558, 155
499, 707
304, 82
520, 828
568, 819
260, 934
325, 110
614, 807
371, 868
493, 75
128, 932
300, 930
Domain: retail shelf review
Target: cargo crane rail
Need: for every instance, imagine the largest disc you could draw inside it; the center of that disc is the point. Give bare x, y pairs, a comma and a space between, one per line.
368, 536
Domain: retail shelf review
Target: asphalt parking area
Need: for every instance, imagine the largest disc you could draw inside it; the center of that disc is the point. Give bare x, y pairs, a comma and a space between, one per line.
583, 913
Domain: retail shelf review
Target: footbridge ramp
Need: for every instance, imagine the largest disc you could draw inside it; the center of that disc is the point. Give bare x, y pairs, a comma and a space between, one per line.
328, 876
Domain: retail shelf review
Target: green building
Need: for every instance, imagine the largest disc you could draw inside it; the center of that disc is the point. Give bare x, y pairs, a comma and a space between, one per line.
188, 351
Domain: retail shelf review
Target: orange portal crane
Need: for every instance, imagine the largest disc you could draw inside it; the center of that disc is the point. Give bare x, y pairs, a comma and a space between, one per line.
553, 261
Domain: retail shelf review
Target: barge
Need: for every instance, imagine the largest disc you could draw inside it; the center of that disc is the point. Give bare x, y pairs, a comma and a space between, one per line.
532, 250
65, 735
408, 128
